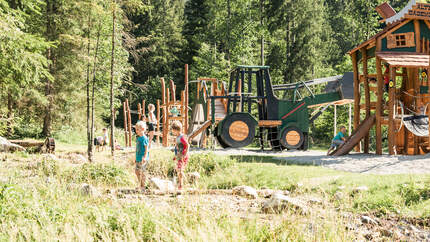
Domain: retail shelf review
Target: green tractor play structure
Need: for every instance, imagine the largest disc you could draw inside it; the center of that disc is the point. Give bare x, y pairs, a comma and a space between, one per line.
252, 104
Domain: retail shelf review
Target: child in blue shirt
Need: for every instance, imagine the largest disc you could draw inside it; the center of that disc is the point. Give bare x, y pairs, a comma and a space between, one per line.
142, 153
338, 140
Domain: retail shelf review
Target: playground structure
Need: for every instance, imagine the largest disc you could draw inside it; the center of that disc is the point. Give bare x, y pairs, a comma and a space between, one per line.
284, 123
403, 47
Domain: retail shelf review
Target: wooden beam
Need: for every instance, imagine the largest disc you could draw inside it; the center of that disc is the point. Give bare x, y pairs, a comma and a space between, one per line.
129, 122
186, 99
356, 95
379, 107
417, 35
143, 111
366, 96
124, 108
158, 121
269, 123
391, 102
173, 90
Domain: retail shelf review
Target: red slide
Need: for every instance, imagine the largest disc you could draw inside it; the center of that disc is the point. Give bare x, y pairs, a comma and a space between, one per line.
355, 137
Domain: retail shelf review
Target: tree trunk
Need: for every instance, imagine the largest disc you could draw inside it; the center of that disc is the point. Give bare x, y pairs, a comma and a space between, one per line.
50, 36
112, 117
9, 115
262, 36
89, 136
93, 85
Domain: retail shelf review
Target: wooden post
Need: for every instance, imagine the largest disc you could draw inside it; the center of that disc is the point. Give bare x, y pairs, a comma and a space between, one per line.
239, 93
172, 90
183, 111
392, 97
335, 120
417, 35
158, 122
357, 96
125, 124
139, 111
143, 110
366, 94
379, 106
186, 99
129, 122
168, 99
349, 119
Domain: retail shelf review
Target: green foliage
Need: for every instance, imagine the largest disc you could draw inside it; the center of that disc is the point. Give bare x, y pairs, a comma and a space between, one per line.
415, 192
98, 174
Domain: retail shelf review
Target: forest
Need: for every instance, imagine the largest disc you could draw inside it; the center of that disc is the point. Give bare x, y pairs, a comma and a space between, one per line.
61, 60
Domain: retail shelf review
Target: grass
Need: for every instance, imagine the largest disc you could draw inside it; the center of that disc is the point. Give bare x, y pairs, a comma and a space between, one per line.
40, 199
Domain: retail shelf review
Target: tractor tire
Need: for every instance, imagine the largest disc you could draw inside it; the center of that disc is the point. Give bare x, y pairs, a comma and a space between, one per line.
292, 138
219, 139
238, 130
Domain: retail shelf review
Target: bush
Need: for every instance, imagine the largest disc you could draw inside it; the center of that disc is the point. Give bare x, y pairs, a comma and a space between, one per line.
207, 164
414, 193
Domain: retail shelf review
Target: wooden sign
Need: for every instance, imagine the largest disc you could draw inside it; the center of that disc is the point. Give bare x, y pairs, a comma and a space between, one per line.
419, 11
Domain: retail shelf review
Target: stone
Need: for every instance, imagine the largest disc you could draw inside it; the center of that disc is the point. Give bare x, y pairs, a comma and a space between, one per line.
315, 200
413, 229
193, 177
338, 196
80, 158
368, 220
267, 193
7, 146
162, 185
88, 190
50, 157
341, 188
278, 203
360, 189
245, 191
386, 232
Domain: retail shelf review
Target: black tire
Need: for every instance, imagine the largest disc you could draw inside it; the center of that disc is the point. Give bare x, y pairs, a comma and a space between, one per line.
298, 136
219, 139
305, 145
243, 121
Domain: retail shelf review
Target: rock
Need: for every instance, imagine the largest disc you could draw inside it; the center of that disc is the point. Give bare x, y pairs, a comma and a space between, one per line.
386, 232
162, 185
279, 203
193, 177
6, 146
315, 200
341, 188
413, 228
88, 190
360, 189
80, 158
286, 192
368, 220
50, 157
245, 191
267, 193
338, 196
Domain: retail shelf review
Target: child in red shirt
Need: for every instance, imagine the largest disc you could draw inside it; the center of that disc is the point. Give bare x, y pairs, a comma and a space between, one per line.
181, 151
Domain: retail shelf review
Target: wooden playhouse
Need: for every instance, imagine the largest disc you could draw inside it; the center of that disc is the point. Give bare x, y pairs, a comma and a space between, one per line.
397, 95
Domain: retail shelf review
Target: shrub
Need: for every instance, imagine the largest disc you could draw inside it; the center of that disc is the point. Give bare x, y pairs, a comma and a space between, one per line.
414, 193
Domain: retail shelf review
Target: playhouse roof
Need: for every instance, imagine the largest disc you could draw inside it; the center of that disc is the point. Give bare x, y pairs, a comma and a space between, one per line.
405, 59
415, 9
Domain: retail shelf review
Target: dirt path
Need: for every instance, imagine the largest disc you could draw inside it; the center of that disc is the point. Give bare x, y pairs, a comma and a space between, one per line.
358, 163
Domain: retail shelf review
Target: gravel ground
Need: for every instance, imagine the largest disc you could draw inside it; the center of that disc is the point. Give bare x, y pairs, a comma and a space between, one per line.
359, 163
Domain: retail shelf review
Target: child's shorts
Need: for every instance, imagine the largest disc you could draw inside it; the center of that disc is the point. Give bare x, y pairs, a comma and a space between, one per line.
336, 143
141, 166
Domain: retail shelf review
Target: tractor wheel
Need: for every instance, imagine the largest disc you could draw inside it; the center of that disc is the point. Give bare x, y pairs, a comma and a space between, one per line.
292, 138
219, 139
238, 130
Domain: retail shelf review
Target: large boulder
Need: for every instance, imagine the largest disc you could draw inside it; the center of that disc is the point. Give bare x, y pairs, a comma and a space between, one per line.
279, 203
162, 185
245, 191
6, 146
